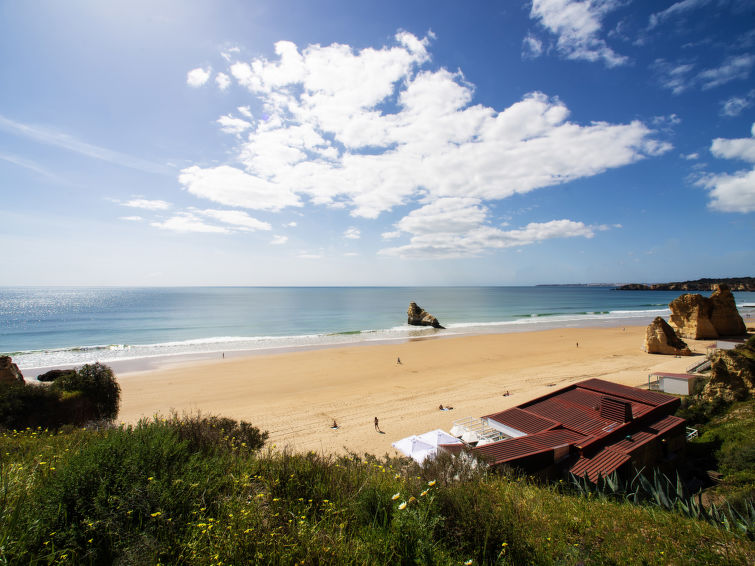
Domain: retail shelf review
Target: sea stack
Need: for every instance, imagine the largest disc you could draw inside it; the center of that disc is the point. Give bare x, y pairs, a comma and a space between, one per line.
417, 316
660, 338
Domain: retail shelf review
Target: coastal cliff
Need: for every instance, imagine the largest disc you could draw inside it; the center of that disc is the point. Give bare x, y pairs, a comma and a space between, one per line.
706, 284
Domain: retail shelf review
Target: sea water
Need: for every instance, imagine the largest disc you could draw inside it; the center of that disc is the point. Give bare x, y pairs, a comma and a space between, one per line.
63, 327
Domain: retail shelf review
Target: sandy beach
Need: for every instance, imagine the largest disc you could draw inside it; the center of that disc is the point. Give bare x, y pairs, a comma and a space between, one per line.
297, 395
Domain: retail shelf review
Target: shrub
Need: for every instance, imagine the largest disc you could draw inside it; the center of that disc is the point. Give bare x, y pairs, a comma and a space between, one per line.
95, 383
23, 405
207, 434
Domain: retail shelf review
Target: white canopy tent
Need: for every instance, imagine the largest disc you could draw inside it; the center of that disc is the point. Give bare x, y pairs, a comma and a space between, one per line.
423, 446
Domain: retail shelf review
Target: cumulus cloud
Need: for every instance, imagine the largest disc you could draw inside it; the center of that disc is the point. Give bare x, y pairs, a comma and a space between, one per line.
735, 105
233, 187
733, 192
279, 240
197, 77
231, 125
577, 25
532, 47
223, 81
147, 204
352, 233
374, 129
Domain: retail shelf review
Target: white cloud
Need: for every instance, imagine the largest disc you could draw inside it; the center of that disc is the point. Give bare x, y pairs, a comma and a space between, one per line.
690, 156
372, 130
132, 218
231, 125
733, 68
236, 218
675, 10
229, 53
352, 233
307, 255
223, 81
453, 245
532, 47
197, 77
735, 105
732, 192
147, 204
233, 187
245, 111
577, 26
279, 240
186, 222
291, 225
391, 235
679, 77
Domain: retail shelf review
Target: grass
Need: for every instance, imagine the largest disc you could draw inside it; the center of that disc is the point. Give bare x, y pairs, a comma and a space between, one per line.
168, 492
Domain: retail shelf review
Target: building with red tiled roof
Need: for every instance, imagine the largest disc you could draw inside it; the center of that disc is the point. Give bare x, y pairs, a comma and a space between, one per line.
591, 428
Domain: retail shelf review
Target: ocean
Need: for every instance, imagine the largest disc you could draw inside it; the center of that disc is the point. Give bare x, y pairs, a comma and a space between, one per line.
43, 327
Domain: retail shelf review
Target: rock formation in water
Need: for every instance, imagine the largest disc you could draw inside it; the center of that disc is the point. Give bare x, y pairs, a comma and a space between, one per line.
9, 372
420, 317
660, 338
698, 317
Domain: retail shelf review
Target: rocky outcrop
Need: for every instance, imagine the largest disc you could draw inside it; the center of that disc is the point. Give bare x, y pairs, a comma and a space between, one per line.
698, 317
724, 314
9, 372
54, 374
734, 283
420, 317
732, 374
660, 338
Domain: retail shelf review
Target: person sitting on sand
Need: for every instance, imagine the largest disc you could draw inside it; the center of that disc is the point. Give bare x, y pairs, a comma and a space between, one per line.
398, 361
335, 424
446, 408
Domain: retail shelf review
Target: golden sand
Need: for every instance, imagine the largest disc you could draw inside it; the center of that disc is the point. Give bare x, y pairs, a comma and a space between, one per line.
296, 396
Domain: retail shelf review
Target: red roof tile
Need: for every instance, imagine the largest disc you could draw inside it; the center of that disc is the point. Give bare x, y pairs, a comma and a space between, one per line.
522, 420
516, 448
604, 462
631, 393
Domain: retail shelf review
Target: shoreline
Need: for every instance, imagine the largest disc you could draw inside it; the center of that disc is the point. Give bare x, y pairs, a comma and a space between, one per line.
297, 395
155, 362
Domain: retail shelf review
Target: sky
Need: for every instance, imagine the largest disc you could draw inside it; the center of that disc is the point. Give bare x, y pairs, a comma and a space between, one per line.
376, 143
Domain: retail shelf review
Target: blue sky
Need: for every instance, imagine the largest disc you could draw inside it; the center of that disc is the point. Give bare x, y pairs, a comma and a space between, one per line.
366, 143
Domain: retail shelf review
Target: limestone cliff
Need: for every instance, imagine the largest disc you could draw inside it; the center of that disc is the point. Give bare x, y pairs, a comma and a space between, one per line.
9, 372
698, 317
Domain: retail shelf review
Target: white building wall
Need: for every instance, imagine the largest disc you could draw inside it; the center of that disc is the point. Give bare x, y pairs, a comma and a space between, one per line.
677, 386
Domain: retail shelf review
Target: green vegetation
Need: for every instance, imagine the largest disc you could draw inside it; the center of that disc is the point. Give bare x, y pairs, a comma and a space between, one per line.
88, 394
197, 490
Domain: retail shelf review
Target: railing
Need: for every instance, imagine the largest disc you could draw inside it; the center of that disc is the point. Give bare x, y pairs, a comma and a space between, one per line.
699, 366
691, 433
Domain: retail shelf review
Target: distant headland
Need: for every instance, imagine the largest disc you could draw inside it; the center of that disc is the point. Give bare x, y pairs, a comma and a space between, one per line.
706, 284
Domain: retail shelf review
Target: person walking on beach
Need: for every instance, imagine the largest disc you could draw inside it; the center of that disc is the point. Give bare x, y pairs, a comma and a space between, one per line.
377, 424
398, 361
